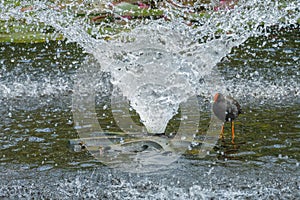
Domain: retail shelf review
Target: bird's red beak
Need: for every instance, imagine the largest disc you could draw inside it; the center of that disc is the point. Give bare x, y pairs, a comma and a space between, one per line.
216, 97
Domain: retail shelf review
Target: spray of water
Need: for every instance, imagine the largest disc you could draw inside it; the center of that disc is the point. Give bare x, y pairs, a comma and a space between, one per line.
158, 64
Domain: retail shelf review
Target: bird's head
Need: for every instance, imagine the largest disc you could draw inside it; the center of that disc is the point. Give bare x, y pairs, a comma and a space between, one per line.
218, 97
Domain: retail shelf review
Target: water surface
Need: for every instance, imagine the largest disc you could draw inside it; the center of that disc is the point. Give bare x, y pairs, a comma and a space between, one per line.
37, 123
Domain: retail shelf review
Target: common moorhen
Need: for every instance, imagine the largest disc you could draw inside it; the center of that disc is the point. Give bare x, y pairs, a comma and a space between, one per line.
226, 109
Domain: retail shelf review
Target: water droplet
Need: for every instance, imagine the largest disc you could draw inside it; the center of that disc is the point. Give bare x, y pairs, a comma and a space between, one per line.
105, 107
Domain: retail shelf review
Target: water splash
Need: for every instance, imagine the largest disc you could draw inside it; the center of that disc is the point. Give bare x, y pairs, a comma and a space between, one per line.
159, 64
157, 74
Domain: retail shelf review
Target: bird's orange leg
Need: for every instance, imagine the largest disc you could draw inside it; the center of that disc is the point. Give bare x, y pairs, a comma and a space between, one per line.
232, 132
222, 132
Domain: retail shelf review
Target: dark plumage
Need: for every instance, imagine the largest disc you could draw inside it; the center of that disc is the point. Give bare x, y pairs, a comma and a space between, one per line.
226, 109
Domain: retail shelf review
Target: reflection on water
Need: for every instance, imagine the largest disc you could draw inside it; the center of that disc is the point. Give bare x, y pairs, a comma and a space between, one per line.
36, 125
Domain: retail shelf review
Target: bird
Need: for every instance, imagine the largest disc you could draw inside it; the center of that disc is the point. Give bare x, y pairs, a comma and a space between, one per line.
227, 109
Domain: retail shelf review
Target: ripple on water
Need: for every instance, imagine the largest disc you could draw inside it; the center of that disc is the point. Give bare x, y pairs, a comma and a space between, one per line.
43, 130
35, 139
104, 183
45, 168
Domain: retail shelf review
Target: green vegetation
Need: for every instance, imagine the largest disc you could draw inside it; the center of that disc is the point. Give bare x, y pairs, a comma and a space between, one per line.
19, 31
113, 18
